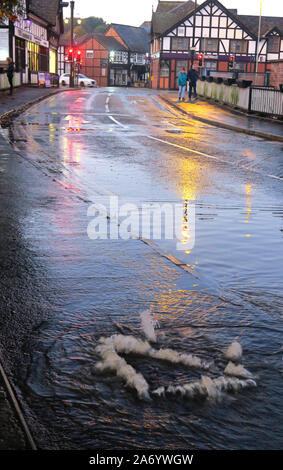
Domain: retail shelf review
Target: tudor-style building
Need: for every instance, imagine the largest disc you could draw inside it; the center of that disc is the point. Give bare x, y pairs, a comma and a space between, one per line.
180, 30
136, 40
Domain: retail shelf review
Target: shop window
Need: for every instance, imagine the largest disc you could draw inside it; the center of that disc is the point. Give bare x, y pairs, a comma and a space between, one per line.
210, 65
20, 55
52, 61
33, 50
164, 70
180, 64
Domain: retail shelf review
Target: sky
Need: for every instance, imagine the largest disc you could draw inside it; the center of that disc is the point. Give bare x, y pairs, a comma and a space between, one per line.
135, 12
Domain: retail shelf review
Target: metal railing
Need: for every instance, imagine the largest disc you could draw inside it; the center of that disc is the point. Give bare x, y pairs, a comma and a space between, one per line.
266, 100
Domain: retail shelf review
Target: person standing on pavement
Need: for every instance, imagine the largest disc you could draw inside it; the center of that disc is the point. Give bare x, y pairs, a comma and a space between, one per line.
182, 83
10, 73
192, 79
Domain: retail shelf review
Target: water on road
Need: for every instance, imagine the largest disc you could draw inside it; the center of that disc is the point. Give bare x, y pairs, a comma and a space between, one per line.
81, 386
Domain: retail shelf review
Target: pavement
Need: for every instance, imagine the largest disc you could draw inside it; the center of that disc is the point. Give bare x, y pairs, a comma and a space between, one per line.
218, 116
12, 433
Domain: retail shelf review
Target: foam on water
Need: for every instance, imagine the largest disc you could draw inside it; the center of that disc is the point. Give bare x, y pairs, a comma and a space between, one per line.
234, 352
206, 388
237, 371
236, 376
148, 324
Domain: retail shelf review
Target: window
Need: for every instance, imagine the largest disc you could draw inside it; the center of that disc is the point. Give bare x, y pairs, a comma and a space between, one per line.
180, 44
273, 44
210, 64
209, 45
164, 69
180, 64
43, 59
238, 46
20, 57
33, 50
89, 54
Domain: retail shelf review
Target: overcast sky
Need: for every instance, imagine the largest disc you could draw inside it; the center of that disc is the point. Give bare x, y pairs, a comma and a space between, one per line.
135, 12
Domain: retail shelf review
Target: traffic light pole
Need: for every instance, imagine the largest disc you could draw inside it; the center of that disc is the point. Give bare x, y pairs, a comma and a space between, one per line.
72, 78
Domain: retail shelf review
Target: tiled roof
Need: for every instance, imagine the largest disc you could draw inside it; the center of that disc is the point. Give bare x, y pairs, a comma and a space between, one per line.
108, 42
136, 39
267, 23
161, 22
45, 9
164, 6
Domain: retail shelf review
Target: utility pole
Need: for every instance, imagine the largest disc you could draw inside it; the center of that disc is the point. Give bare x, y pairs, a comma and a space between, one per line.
72, 79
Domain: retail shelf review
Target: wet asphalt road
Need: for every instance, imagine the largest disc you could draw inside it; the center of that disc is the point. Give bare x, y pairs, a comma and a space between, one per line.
63, 290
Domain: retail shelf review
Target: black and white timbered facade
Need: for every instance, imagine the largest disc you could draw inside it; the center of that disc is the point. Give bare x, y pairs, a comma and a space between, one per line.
215, 32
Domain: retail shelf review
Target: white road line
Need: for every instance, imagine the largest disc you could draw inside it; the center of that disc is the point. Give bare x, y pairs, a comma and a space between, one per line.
275, 177
117, 122
107, 103
185, 148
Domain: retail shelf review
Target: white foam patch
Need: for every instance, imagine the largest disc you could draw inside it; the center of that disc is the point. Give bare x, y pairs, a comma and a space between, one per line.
148, 325
234, 352
236, 376
206, 388
112, 361
108, 349
237, 371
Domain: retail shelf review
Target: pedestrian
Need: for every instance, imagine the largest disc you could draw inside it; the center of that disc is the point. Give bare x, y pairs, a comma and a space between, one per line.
10, 73
182, 83
192, 79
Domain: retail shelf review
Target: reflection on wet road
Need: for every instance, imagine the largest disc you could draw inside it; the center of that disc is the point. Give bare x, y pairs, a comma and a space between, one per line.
93, 145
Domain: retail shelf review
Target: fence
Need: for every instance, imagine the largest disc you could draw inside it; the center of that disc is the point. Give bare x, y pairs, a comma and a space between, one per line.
266, 100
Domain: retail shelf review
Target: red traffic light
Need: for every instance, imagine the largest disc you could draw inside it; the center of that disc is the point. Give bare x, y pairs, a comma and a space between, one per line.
200, 60
79, 52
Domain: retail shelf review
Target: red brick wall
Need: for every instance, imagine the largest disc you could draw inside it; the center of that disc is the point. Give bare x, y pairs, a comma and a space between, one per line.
154, 68
92, 67
276, 73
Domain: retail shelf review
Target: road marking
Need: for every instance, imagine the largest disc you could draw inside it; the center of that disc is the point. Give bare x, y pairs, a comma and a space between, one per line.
185, 148
117, 122
107, 103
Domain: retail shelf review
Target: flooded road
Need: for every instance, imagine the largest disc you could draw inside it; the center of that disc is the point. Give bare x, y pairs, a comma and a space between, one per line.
220, 281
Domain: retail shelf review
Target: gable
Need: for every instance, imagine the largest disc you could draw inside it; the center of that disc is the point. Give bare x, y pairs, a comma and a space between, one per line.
213, 18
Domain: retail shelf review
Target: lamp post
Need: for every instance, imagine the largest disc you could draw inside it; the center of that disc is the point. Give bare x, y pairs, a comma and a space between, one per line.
258, 37
193, 47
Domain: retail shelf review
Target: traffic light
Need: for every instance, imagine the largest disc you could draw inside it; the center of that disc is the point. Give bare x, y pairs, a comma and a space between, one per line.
200, 60
231, 63
70, 55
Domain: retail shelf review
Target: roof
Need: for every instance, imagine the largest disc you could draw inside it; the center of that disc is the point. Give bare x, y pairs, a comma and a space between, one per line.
165, 19
136, 38
108, 42
164, 6
162, 22
267, 23
47, 10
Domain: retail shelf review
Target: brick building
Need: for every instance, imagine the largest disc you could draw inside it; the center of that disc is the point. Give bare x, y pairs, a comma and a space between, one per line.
114, 59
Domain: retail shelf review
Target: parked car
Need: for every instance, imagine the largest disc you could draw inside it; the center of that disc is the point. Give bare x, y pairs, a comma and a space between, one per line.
81, 80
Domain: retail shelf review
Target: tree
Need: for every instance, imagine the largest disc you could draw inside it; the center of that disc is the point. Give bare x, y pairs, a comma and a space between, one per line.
10, 10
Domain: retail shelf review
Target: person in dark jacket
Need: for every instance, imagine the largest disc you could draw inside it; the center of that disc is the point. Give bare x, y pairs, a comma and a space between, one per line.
192, 79
10, 73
